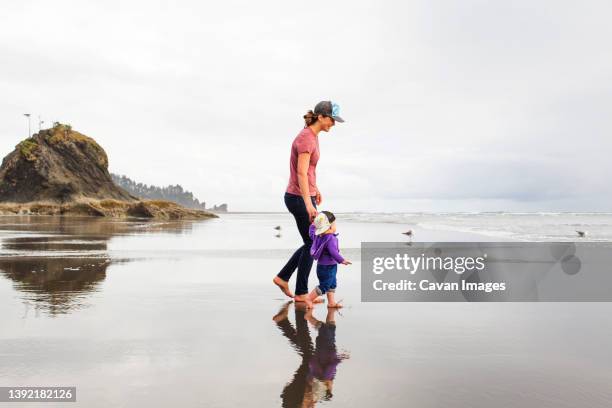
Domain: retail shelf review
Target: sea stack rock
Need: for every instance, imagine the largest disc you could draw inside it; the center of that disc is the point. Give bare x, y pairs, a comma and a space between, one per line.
62, 172
58, 165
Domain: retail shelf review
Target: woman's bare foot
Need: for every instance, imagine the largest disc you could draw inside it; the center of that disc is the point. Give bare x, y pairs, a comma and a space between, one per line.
282, 313
284, 286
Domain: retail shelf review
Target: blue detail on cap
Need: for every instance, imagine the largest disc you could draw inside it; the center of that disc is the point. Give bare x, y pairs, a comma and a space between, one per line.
335, 110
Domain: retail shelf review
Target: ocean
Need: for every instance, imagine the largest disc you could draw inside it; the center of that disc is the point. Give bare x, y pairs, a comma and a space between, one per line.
529, 227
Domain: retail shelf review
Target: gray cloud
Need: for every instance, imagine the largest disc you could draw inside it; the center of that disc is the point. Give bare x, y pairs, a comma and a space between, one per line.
449, 106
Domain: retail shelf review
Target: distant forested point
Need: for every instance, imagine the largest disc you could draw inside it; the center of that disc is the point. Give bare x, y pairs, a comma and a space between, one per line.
171, 193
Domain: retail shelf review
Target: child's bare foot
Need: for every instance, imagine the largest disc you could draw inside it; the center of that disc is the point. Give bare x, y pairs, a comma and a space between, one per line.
284, 286
332, 304
331, 301
314, 297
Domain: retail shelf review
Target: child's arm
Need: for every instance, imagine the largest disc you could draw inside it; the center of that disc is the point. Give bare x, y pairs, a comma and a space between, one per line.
332, 247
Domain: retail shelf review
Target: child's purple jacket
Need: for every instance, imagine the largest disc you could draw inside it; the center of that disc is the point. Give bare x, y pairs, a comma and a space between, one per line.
324, 248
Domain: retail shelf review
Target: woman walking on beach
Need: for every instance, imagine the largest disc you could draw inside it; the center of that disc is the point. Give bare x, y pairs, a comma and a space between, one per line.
302, 195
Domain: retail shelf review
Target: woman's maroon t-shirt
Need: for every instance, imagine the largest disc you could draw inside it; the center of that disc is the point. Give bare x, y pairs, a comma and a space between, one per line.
305, 142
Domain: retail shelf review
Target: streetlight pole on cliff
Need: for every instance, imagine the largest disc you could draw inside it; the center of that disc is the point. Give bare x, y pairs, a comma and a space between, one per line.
29, 127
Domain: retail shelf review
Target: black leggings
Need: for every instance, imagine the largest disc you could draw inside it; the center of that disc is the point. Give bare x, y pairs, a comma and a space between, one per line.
301, 258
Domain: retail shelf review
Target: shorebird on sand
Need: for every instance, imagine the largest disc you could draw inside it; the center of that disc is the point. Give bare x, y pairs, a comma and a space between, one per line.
582, 234
278, 228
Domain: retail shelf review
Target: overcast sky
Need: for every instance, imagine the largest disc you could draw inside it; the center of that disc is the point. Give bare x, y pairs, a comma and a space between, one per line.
449, 105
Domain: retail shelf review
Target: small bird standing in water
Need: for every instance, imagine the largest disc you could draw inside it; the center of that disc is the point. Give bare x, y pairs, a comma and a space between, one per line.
278, 228
582, 234
409, 234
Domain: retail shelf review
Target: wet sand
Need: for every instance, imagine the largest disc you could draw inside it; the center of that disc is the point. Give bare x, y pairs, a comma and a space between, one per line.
157, 314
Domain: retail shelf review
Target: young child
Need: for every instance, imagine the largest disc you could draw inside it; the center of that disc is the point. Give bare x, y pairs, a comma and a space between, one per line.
325, 250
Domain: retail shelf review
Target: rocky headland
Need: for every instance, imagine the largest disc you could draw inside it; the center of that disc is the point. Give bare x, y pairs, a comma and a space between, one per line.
59, 171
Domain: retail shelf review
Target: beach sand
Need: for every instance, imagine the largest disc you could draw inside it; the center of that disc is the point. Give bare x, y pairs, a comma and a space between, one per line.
144, 314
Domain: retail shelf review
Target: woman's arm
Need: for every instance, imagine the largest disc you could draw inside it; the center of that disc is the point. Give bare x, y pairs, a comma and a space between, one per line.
319, 197
302, 173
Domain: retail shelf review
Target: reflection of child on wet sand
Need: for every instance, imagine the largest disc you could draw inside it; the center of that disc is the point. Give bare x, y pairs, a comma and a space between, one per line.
325, 359
313, 380
325, 250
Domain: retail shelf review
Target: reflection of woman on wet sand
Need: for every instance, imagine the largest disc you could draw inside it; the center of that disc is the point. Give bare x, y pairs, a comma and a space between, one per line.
313, 380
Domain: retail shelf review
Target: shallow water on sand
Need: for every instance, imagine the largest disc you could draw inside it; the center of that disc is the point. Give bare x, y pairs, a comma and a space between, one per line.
154, 314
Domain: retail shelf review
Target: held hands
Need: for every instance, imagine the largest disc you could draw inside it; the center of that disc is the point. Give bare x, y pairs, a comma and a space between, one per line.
312, 212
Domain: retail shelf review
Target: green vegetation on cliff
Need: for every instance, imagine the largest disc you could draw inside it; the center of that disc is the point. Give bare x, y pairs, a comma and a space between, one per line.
28, 148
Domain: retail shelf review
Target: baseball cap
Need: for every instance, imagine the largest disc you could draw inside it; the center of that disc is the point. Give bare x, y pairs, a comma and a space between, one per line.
328, 108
